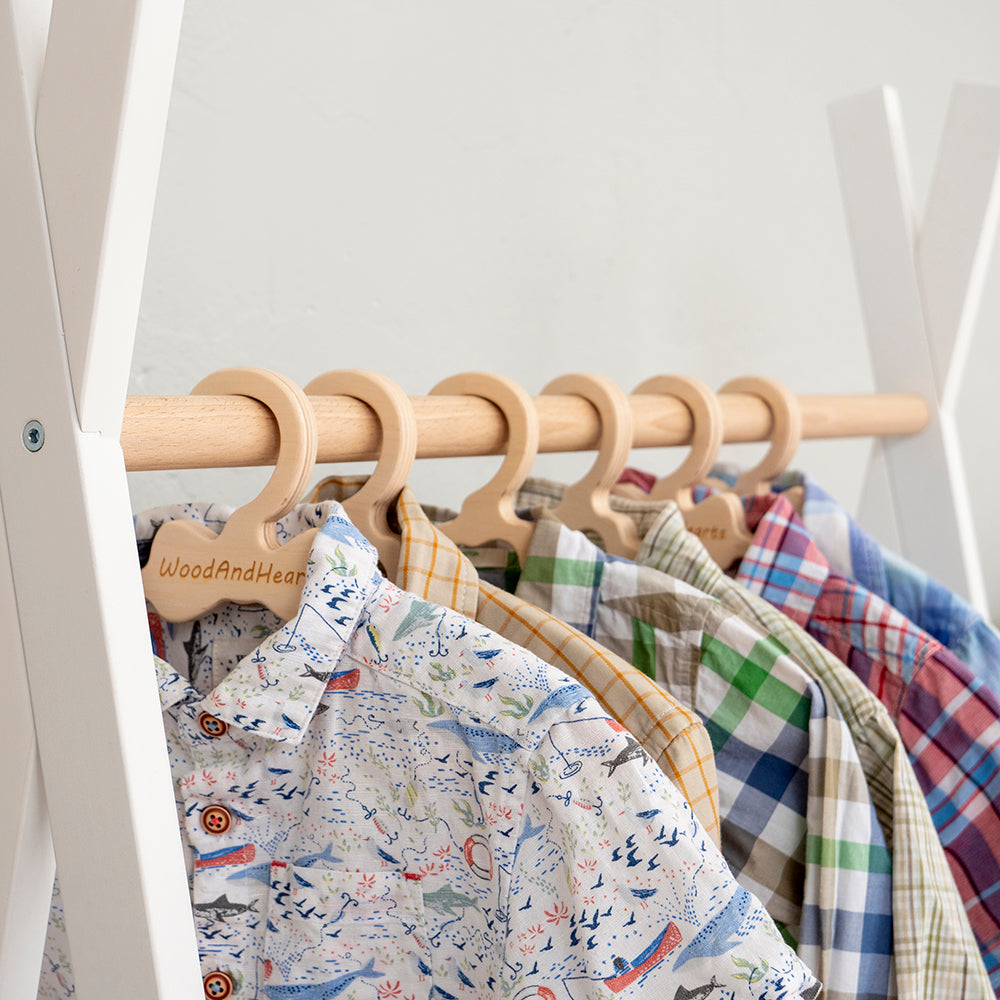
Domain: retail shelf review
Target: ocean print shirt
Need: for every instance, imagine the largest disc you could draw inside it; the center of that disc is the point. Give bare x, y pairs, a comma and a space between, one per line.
382, 799
798, 825
433, 567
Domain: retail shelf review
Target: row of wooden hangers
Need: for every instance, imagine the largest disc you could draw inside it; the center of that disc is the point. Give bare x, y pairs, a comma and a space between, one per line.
486, 515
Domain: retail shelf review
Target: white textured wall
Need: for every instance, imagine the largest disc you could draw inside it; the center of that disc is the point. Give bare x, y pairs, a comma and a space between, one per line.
534, 188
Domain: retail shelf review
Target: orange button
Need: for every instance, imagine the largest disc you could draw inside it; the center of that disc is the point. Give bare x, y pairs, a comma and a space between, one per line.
211, 726
216, 819
218, 985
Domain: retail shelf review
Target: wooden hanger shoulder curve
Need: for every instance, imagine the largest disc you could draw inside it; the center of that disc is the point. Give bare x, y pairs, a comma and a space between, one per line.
488, 513
191, 568
368, 509
585, 504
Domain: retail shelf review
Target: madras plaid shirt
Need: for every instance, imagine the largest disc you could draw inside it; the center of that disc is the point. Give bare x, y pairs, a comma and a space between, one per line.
935, 951
432, 566
798, 826
853, 553
948, 718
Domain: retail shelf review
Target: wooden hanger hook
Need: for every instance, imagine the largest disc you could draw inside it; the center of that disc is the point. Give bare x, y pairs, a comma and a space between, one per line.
368, 509
488, 514
585, 504
298, 438
786, 431
708, 432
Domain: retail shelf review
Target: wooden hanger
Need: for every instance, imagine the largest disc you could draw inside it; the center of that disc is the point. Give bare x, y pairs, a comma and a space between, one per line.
719, 520
786, 432
368, 509
191, 568
585, 503
488, 514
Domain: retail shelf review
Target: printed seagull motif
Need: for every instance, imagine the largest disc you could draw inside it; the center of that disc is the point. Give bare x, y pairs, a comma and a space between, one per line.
322, 991
719, 934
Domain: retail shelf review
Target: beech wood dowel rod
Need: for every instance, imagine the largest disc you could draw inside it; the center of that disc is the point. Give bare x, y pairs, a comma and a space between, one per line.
198, 432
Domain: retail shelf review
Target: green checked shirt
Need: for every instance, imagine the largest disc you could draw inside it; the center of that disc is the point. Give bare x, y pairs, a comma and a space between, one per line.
935, 950
798, 826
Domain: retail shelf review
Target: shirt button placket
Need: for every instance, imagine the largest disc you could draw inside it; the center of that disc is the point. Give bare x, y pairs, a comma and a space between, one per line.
211, 726
216, 820
218, 985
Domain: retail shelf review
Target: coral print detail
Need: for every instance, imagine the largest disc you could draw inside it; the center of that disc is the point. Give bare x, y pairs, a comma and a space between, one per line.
405, 805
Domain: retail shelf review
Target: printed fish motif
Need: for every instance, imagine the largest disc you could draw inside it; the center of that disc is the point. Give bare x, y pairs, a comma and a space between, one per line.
478, 739
632, 751
445, 899
261, 872
718, 935
311, 860
322, 991
222, 907
562, 697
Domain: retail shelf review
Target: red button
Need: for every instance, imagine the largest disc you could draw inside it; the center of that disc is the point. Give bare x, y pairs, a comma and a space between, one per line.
211, 726
217, 820
218, 985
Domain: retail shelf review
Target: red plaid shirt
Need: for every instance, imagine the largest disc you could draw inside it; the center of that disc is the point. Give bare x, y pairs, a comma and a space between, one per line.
949, 721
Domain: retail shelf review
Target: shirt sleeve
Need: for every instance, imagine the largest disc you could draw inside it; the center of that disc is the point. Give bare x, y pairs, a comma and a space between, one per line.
616, 890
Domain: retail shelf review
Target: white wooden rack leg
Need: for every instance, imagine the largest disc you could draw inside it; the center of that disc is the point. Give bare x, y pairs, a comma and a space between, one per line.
82, 117
79, 160
920, 289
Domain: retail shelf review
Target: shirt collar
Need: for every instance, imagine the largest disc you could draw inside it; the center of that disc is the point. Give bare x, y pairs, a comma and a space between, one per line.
273, 692
783, 563
431, 565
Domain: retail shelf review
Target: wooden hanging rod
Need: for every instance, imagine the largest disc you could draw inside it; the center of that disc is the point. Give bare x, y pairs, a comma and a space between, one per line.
200, 432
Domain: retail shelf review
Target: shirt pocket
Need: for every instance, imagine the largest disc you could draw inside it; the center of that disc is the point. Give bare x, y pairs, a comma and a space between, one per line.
352, 934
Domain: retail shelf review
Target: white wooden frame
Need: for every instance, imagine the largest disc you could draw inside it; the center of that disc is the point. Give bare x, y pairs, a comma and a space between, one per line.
78, 178
920, 288
82, 125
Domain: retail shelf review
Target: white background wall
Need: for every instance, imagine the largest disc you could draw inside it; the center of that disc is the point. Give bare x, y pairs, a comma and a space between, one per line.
535, 188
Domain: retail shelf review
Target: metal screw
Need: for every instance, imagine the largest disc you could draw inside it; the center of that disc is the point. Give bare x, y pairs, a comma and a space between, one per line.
33, 435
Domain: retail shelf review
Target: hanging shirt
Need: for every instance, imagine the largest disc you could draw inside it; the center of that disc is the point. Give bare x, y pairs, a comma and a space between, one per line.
383, 798
432, 566
798, 825
948, 719
854, 554
934, 949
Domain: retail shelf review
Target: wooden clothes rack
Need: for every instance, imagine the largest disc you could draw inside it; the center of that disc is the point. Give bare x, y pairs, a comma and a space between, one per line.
83, 106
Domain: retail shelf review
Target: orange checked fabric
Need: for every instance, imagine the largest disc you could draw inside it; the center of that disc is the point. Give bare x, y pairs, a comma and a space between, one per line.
432, 566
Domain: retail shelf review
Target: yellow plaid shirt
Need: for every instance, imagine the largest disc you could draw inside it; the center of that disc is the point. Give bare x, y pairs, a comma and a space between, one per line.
432, 566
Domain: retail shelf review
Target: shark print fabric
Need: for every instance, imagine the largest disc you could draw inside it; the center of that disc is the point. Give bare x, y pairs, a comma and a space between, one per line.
382, 799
